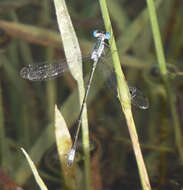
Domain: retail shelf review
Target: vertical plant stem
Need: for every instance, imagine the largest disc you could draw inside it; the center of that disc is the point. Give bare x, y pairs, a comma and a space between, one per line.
157, 37
23, 132
3, 141
124, 98
163, 71
51, 87
45, 12
49, 55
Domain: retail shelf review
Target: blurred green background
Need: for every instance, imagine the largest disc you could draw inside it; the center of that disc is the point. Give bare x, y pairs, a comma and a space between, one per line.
29, 34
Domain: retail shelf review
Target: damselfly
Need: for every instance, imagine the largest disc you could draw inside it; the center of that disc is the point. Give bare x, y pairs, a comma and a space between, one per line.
44, 71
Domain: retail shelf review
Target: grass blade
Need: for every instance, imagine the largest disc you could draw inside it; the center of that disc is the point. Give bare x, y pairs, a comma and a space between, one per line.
34, 171
73, 53
124, 98
64, 143
165, 77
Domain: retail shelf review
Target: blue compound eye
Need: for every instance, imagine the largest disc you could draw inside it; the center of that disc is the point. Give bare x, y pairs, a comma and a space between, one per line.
95, 33
107, 34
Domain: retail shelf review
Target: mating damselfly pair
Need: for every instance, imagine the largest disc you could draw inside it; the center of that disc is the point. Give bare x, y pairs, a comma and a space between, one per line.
42, 71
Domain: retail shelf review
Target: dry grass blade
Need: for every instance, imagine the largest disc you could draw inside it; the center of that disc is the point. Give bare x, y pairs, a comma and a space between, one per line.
34, 171
64, 143
72, 52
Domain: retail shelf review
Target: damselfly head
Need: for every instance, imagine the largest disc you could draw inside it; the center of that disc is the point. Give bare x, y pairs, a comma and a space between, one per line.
97, 33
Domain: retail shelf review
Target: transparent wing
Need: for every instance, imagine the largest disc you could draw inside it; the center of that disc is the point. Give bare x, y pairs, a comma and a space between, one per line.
138, 99
44, 71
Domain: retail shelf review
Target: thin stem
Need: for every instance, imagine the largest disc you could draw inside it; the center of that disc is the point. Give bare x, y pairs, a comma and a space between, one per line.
124, 98
163, 71
157, 37
3, 140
